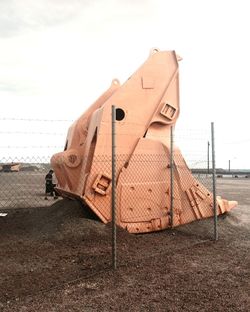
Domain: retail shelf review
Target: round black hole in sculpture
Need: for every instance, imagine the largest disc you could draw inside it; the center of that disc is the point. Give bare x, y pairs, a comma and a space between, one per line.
120, 114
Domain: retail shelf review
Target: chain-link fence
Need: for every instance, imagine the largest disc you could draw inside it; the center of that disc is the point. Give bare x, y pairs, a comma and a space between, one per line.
198, 148
23, 183
160, 191
25, 150
168, 195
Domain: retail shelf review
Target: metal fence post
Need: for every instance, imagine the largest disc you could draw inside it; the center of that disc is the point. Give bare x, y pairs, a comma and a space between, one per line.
171, 177
113, 190
214, 184
208, 145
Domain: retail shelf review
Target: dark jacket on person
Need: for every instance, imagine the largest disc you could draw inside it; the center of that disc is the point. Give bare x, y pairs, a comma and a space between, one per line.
49, 183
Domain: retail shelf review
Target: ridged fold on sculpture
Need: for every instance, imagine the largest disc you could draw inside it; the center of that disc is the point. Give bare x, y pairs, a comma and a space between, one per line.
147, 106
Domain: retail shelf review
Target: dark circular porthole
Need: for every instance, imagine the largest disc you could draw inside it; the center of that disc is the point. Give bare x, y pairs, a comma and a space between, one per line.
120, 114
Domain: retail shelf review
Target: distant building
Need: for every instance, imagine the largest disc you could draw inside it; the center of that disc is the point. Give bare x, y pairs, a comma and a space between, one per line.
11, 167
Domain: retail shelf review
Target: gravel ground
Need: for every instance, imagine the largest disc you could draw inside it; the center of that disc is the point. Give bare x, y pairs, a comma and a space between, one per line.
56, 259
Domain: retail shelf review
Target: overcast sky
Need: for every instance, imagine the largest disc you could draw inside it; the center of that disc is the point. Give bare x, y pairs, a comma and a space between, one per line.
58, 56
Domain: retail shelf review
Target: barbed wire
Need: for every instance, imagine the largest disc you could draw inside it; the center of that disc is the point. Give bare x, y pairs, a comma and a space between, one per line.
36, 119
179, 132
177, 138
234, 142
31, 133
32, 146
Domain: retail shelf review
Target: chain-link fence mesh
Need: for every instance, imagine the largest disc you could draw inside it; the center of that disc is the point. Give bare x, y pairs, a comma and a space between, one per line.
196, 148
23, 182
26, 147
143, 193
143, 204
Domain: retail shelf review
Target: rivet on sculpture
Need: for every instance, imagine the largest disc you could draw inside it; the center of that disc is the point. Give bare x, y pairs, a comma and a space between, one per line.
147, 106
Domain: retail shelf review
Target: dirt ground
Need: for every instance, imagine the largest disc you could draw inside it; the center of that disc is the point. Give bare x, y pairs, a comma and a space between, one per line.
55, 259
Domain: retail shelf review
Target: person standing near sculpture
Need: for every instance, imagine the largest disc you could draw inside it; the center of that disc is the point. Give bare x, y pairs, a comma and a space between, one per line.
49, 185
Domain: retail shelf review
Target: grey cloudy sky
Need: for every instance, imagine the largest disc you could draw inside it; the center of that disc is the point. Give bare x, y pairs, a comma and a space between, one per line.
56, 57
